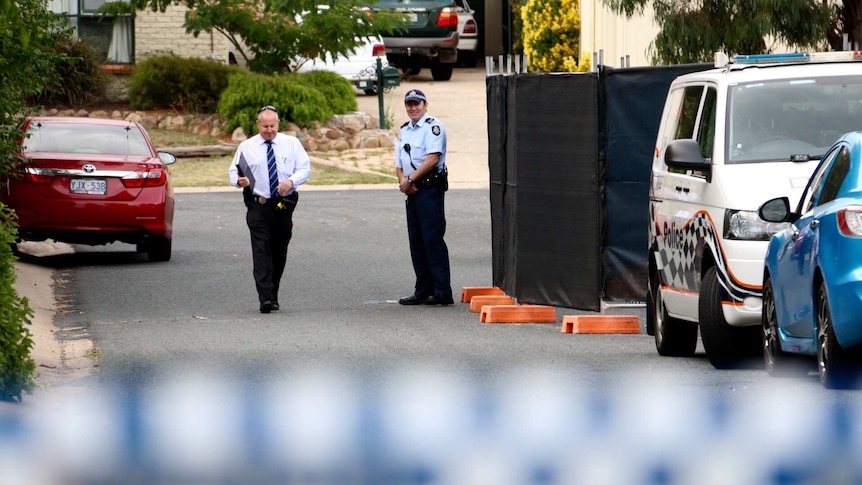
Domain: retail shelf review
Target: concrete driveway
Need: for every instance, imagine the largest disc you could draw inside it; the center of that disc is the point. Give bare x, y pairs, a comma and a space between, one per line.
461, 105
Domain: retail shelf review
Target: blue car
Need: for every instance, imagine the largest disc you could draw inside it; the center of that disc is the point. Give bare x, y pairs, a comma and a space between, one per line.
812, 280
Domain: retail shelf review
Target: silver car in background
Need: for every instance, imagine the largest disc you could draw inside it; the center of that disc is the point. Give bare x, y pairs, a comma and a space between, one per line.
468, 30
360, 64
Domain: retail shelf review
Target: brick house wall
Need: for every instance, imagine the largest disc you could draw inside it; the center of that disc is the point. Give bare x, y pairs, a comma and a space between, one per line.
160, 33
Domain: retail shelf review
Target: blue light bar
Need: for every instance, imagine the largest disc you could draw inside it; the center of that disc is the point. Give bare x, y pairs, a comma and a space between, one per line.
772, 58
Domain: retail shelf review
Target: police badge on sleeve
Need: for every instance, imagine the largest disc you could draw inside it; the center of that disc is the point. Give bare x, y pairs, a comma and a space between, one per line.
436, 130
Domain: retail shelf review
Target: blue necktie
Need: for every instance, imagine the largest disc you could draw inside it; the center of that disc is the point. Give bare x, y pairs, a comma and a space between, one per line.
273, 172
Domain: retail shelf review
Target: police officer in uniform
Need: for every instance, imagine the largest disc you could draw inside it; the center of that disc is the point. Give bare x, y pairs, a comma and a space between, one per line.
269, 167
420, 163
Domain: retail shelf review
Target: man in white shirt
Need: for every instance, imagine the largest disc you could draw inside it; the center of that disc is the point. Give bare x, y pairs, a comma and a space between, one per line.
269, 167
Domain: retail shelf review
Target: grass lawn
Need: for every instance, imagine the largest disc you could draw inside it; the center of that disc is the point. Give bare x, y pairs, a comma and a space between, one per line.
212, 171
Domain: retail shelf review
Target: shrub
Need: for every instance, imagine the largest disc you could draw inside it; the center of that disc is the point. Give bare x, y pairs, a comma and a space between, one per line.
551, 34
302, 104
26, 62
17, 369
339, 92
578, 65
303, 98
77, 77
184, 83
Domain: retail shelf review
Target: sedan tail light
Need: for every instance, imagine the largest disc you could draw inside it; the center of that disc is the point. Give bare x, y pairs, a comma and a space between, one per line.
38, 176
850, 221
448, 17
145, 178
378, 50
470, 27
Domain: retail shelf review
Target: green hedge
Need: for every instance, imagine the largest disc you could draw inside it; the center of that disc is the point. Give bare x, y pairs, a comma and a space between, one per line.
185, 83
17, 369
77, 77
200, 86
303, 98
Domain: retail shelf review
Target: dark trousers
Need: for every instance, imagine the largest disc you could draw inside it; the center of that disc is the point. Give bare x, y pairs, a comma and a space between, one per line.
270, 229
426, 226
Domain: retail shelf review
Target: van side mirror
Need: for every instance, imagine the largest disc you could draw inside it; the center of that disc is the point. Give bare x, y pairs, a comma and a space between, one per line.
685, 154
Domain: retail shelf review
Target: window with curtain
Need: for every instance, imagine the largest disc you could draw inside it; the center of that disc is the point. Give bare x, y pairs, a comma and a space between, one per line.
112, 36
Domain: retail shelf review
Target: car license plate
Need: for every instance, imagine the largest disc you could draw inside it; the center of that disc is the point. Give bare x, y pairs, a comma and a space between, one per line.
88, 186
413, 17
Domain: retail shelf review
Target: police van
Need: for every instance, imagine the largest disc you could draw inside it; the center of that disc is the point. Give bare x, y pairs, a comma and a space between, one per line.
751, 129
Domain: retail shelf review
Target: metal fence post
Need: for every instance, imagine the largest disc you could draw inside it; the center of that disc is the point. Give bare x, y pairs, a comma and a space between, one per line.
380, 93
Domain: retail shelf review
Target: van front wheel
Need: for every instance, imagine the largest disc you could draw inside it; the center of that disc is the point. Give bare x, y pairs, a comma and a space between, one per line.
727, 347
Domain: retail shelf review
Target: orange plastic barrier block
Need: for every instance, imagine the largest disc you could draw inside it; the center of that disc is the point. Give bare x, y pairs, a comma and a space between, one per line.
518, 314
468, 292
600, 324
478, 301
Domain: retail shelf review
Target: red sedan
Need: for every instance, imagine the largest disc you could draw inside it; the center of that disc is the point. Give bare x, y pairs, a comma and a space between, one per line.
93, 181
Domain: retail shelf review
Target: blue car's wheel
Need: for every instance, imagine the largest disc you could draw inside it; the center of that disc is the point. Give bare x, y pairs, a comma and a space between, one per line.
778, 362
833, 365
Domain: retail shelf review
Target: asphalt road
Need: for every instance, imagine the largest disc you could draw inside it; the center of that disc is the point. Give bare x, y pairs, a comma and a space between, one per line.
347, 266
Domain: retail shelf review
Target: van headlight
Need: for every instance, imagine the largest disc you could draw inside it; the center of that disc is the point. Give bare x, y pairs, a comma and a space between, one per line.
747, 226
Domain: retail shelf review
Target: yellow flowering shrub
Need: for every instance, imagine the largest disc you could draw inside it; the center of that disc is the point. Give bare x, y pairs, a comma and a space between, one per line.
577, 65
551, 35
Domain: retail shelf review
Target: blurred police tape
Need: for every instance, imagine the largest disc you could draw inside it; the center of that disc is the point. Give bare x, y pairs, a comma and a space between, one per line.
430, 426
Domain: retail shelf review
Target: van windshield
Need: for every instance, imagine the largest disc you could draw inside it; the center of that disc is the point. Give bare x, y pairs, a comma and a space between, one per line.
790, 119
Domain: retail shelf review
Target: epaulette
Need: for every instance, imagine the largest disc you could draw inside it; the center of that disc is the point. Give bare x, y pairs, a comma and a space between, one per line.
405, 124
429, 119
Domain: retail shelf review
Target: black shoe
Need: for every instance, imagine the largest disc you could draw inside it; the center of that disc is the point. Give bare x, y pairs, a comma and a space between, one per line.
413, 300
275, 306
266, 306
439, 300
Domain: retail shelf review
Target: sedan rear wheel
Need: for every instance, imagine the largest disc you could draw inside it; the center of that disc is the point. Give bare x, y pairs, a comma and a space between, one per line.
778, 363
836, 372
159, 249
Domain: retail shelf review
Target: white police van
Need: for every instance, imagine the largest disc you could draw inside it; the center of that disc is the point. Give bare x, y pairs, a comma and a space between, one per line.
730, 138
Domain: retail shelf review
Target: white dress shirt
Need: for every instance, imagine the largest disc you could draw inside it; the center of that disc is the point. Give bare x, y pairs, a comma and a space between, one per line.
291, 160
